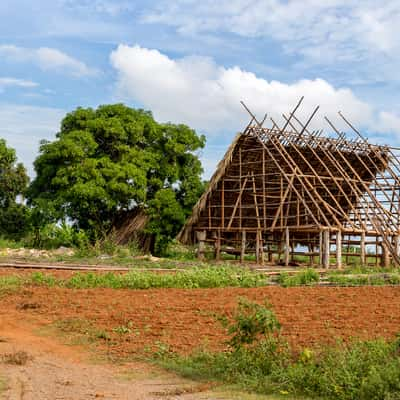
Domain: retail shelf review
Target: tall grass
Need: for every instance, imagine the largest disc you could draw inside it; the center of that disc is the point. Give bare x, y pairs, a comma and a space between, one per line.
259, 360
190, 279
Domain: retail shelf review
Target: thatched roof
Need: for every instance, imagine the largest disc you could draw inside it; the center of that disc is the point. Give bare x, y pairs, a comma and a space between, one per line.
131, 227
311, 157
184, 235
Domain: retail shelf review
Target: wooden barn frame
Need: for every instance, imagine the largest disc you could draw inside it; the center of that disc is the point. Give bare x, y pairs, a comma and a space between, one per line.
284, 191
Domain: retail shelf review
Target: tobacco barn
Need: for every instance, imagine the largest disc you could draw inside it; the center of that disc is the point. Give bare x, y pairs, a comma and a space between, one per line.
282, 192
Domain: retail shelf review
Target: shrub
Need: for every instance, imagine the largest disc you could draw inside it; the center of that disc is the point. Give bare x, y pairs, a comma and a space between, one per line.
306, 277
259, 360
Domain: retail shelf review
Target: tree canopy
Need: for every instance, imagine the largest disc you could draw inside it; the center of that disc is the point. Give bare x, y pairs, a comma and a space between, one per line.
105, 162
13, 183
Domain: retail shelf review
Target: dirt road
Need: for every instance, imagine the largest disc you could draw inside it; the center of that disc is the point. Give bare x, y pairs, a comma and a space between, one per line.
36, 367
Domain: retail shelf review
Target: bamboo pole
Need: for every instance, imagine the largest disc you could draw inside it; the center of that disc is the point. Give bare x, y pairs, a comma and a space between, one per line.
326, 247
243, 247
287, 246
339, 249
362, 249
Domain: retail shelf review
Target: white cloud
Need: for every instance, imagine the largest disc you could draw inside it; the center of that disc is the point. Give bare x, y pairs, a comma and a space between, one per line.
47, 59
389, 123
24, 126
196, 91
108, 7
329, 32
7, 82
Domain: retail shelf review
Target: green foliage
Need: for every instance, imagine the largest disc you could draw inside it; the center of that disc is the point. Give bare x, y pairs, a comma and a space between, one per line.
53, 236
13, 183
359, 371
194, 278
107, 162
250, 322
374, 279
306, 277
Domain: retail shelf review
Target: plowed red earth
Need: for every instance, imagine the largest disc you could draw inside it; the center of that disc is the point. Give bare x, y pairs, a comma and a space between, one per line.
186, 319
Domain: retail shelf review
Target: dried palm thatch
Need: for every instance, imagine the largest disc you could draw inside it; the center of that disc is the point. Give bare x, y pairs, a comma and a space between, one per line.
131, 228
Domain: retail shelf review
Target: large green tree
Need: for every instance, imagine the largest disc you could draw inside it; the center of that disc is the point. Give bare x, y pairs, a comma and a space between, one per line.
13, 183
105, 162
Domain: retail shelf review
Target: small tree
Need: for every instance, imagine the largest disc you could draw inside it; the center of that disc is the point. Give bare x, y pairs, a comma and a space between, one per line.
13, 183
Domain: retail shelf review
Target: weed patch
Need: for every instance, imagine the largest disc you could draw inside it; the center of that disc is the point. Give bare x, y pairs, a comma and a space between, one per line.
306, 277
190, 279
16, 358
259, 360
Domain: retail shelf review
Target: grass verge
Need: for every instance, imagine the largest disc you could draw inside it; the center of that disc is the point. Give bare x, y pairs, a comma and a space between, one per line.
190, 279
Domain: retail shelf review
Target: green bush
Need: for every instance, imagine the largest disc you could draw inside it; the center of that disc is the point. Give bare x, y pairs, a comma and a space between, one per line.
260, 361
306, 277
195, 278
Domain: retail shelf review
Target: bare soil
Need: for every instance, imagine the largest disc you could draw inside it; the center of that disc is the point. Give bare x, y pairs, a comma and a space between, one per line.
125, 325
39, 367
131, 322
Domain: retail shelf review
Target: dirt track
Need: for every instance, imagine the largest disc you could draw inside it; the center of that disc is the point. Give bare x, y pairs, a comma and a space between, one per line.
55, 371
136, 320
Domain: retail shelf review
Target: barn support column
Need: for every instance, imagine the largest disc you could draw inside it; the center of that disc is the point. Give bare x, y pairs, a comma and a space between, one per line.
396, 244
321, 244
311, 252
218, 246
324, 247
385, 261
243, 247
260, 237
287, 246
269, 248
257, 248
201, 238
363, 260
339, 249
278, 259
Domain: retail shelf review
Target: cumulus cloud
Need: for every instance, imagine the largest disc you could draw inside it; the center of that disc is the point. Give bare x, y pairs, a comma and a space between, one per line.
325, 32
7, 82
47, 59
197, 91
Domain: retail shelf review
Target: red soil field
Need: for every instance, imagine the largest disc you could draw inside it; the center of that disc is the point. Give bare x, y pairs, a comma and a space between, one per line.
186, 319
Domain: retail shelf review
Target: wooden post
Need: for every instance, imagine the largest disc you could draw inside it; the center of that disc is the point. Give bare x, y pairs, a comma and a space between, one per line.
321, 245
339, 249
396, 243
326, 248
201, 238
311, 251
261, 247
243, 247
257, 249
385, 261
287, 246
363, 259
270, 256
280, 245
218, 246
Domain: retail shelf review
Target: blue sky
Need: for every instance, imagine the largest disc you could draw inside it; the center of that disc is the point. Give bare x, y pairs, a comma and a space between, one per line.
190, 61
